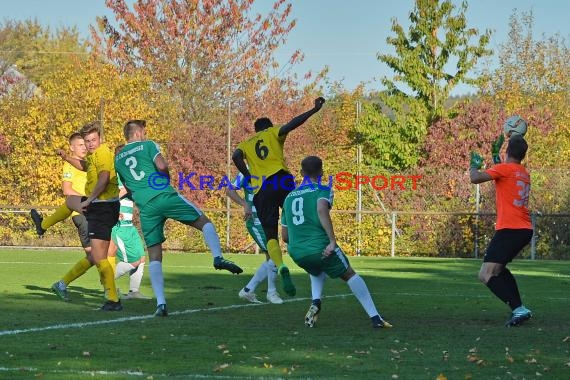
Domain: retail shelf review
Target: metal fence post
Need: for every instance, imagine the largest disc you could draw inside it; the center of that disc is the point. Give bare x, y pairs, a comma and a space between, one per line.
393, 250
534, 236
477, 209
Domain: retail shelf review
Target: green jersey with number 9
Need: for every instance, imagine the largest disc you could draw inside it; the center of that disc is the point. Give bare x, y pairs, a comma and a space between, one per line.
300, 216
135, 165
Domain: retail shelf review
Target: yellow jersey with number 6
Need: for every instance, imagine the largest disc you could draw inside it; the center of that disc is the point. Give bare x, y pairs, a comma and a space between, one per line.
264, 154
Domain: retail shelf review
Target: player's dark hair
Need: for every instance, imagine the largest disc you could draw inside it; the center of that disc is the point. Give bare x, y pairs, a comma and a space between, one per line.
89, 128
131, 126
312, 166
74, 136
517, 147
262, 124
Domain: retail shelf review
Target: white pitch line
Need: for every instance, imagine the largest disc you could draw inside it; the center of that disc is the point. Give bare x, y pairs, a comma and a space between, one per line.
235, 306
124, 373
143, 317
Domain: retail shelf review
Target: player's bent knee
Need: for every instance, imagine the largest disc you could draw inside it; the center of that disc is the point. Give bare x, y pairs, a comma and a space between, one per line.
348, 274
200, 222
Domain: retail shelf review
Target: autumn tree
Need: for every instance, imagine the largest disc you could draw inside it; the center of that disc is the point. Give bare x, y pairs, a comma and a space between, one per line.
74, 95
436, 54
35, 51
534, 73
204, 52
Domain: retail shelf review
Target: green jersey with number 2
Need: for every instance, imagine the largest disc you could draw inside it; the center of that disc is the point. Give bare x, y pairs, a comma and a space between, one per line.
135, 165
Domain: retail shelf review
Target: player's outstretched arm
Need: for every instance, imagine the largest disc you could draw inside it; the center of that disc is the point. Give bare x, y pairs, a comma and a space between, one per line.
240, 164
496, 149
475, 164
299, 120
234, 196
75, 162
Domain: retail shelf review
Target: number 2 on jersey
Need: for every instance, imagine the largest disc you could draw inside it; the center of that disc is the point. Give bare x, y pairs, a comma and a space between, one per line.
131, 162
297, 208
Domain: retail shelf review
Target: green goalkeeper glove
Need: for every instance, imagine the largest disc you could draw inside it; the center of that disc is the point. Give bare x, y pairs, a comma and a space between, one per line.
476, 161
496, 149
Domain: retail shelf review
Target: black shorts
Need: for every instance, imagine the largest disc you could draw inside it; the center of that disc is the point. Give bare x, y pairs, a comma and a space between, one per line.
101, 217
506, 244
82, 230
270, 197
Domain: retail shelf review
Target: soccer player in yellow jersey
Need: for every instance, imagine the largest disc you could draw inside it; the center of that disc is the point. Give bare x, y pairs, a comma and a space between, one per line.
270, 180
73, 184
100, 205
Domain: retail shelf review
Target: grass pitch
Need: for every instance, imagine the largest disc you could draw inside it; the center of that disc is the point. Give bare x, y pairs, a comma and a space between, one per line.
446, 324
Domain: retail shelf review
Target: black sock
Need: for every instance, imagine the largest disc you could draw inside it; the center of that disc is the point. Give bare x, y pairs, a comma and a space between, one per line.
513, 288
505, 288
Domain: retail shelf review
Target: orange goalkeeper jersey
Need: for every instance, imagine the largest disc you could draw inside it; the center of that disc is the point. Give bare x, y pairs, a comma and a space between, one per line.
512, 188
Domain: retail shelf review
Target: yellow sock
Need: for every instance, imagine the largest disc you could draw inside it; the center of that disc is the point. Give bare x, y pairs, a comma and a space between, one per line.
61, 213
113, 262
77, 271
275, 252
108, 280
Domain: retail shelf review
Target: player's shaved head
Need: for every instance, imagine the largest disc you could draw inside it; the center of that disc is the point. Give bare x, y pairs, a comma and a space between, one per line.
517, 147
75, 136
133, 126
262, 124
312, 166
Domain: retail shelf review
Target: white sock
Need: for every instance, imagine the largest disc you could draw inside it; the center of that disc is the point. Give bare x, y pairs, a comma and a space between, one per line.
136, 278
317, 285
258, 277
212, 239
157, 281
122, 268
271, 276
360, 290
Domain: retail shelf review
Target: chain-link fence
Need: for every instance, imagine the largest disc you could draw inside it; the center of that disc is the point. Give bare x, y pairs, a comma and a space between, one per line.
392, 233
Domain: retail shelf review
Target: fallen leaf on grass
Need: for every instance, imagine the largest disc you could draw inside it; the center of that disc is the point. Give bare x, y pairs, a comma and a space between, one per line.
221, 367
268, 365
472, 358
441, 376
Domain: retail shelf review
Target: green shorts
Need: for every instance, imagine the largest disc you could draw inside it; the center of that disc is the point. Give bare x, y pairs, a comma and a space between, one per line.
129, 244
164, 206
334, 266
256, 231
